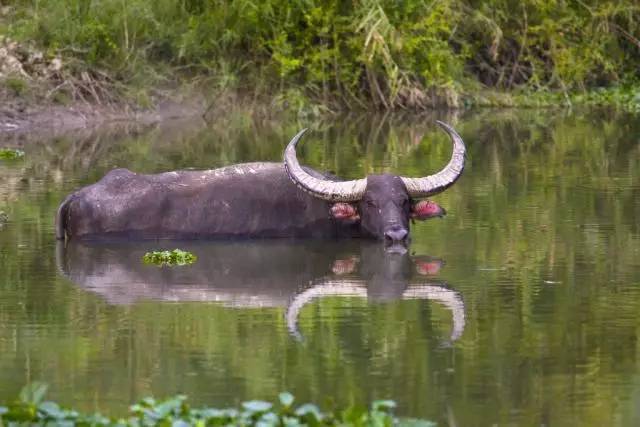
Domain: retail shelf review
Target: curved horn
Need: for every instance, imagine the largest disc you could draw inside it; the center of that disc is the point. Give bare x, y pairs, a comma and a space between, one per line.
357, 288
437, 183
335, 191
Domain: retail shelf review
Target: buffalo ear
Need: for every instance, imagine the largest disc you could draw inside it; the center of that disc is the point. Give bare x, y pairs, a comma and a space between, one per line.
426, 209
344, 211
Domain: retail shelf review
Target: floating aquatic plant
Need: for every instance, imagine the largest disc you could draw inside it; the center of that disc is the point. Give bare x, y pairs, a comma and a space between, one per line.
32, 409
174, 257
11, 153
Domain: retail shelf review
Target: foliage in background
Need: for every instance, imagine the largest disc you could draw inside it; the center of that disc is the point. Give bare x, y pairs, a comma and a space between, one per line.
355, 54
31, 408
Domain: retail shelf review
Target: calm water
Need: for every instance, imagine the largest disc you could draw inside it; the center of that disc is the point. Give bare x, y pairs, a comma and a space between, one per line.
521, 307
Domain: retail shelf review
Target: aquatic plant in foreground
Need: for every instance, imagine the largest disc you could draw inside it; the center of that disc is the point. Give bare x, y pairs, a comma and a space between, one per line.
174, 257
31, 408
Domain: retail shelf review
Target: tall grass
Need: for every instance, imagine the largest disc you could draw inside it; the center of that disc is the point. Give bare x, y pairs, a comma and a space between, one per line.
389, 54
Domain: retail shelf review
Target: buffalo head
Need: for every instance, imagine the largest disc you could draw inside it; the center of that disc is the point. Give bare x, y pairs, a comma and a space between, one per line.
381, 204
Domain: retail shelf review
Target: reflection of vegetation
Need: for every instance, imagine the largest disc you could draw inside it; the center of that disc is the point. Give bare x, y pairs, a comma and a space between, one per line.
32, 409
4, 218
10, 153
541, 240
174, 257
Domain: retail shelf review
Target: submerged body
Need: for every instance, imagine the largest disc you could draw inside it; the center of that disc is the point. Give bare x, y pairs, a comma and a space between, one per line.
245, 200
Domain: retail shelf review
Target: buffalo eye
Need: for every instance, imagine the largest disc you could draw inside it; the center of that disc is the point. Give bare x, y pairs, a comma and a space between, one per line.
371, 203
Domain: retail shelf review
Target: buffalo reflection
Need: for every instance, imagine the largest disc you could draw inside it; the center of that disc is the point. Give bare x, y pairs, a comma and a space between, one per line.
271, 273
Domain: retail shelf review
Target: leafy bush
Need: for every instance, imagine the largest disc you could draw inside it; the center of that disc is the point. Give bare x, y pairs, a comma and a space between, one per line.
372, 52
31, 408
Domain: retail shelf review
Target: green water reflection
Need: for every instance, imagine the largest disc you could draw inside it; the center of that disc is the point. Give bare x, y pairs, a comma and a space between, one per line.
541, 244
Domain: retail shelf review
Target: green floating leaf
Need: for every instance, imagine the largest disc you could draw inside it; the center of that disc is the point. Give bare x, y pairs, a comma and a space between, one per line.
11, 154
309, 410
169, 407
51, 410
383, 405
286, 399
414, 422
219, 414
169, 258
256, 406
291, 422
269, 419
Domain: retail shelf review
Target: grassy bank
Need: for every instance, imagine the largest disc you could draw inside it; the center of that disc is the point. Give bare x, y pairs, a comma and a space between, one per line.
30, 408
337, 54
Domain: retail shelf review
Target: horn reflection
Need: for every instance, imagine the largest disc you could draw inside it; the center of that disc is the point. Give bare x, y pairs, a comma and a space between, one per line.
358, 288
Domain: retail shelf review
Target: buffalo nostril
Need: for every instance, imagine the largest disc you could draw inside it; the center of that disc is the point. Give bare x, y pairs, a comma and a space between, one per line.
396, 235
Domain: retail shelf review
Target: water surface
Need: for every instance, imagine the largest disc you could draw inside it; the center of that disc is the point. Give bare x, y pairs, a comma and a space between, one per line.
522, 306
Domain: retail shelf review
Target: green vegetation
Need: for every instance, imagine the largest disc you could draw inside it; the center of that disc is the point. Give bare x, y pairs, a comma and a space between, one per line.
336, 54
174, 257
17, 85
4, 218
10, 154
32, 409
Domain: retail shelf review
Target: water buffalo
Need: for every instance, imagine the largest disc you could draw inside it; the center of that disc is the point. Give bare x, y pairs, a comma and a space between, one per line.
255, 200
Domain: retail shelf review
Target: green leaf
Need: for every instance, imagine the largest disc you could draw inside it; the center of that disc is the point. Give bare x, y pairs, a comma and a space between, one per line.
33, 393
148, 401
414, 422
309, 410
268, 420
21, 411
218, 414
355, 415
256, 406
290, 422
51, 410
286, 399
11, 154
383, 405
170, 407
